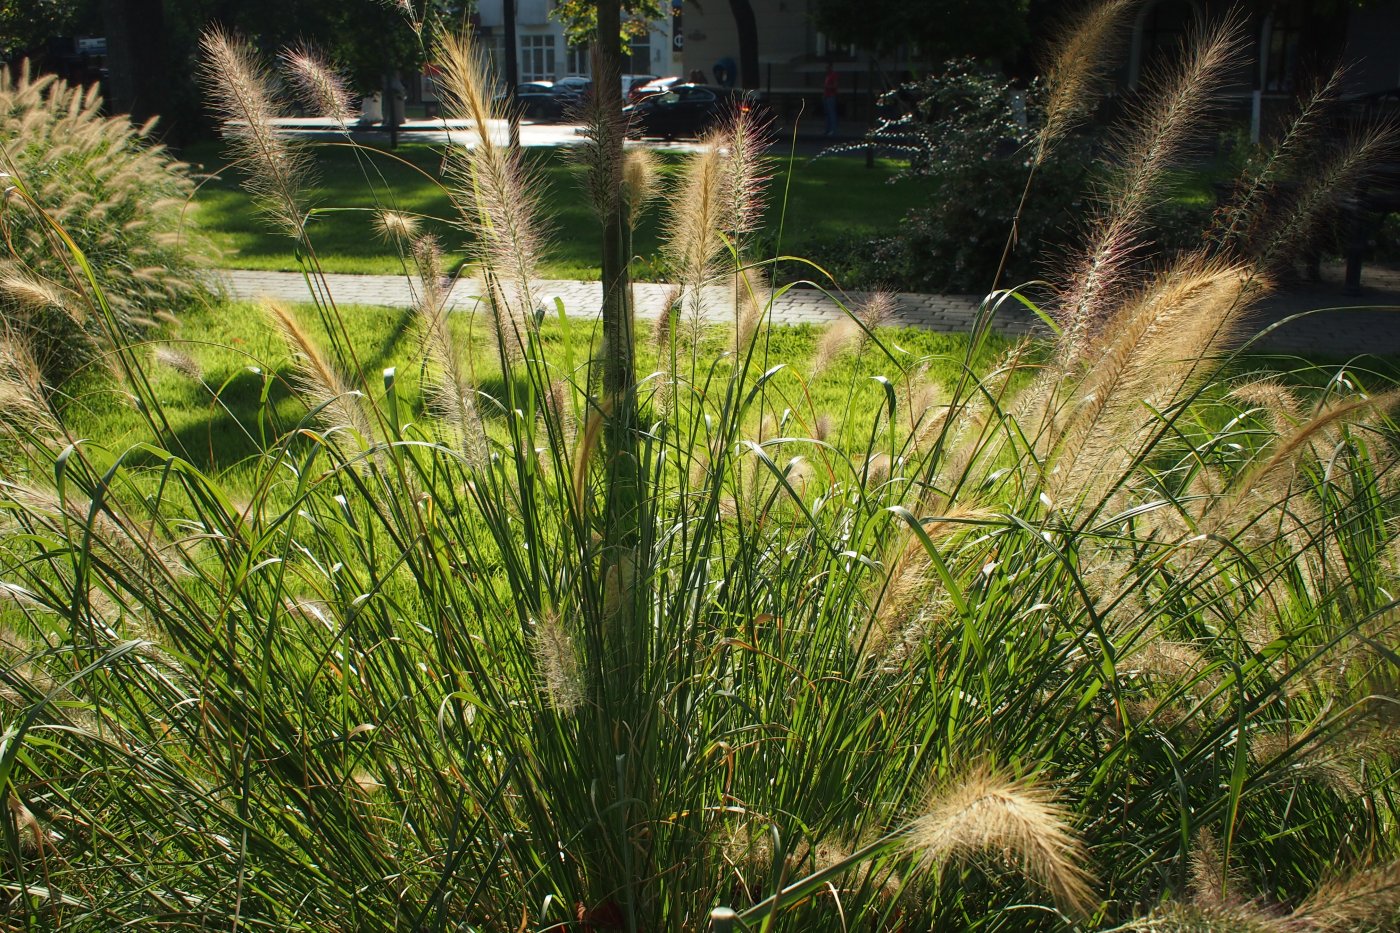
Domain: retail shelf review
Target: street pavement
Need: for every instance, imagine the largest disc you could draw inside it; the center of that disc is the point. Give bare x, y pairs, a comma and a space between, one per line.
1317, 319
804, 139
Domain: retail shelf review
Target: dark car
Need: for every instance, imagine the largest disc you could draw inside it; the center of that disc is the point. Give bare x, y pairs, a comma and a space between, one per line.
658, 86
686, 110
632, 83
571, 94
535, 100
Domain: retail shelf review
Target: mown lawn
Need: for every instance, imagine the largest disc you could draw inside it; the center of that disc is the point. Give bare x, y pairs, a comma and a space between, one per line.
238, 398
810, 199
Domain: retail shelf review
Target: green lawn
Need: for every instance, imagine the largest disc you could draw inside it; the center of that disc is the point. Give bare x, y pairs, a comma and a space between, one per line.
242, 399
809, 199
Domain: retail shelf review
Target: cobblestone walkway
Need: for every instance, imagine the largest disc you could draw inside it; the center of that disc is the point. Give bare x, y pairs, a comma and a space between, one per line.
1352, 324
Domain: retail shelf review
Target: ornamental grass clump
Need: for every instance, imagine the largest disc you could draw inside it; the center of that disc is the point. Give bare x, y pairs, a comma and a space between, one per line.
119, 197
1091, 633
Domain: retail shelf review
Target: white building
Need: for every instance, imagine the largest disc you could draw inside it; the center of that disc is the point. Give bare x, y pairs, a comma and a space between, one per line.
544, 55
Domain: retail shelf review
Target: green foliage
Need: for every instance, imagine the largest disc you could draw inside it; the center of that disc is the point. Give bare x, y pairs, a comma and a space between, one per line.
25, 25
825, 199
970, 133
580, 18
1091, 634
121, 199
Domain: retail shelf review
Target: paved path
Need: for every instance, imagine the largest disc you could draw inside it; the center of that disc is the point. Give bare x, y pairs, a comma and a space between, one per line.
945, 313
1354, 324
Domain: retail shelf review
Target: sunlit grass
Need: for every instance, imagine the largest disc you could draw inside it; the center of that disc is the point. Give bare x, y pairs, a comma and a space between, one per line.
825, 197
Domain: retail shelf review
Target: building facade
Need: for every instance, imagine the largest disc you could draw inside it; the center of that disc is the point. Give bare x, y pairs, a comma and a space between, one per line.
1287, 42
792, 57
543, 53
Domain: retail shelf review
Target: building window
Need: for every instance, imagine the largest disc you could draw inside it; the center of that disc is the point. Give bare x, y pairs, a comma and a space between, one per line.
1284, 38
1164, 30
640, 61
577, 61
536, 58
1158, 36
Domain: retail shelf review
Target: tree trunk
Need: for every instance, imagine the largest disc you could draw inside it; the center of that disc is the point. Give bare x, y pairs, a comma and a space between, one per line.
619, 377
748, 42
136, 76
619, 696
512, 70
618, 371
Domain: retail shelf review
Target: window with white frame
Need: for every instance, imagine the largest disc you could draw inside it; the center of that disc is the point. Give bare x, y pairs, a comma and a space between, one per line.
577, 61
536, 58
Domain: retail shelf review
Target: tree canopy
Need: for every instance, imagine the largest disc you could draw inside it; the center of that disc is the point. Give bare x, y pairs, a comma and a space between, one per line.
25, 25
580, 18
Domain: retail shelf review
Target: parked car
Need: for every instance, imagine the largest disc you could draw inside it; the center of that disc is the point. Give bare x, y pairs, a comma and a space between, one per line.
658, 86
535, 100
570, 94
686, 110
631, 82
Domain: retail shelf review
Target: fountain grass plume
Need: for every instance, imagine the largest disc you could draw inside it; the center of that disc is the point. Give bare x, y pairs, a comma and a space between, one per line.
641, 177
1297, 226
557, 664
450, 393
1077, 70
1154, 352
1174, 111
1238, 223
985, 814
326, 391
694, 215
25, 412
318, 86
245, 102
494, 193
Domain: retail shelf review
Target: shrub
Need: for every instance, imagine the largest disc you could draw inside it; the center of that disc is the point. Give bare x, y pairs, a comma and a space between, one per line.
974, 134
118, 197
1095, 636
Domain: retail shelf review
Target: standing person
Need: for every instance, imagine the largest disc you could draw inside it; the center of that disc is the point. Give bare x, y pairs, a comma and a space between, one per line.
829, 89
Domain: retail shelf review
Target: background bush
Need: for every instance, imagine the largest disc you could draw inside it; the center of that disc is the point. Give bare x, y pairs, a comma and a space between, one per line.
970, 131
122, 201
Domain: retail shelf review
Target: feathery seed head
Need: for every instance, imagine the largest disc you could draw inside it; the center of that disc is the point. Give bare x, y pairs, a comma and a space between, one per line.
984, 813
325, 389
245, 102
396, 226
694, 219
179, 361
24, 407
839, 338
557, 664
1077, 70
32, 294
640, 177
317, 84
1152, 144
1365, 899
494, 193
876, 310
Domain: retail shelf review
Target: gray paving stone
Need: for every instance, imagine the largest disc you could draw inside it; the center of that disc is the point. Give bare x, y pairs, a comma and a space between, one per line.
1353, 325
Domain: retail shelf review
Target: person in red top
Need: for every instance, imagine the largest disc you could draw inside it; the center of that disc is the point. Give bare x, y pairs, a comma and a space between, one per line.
829, 88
